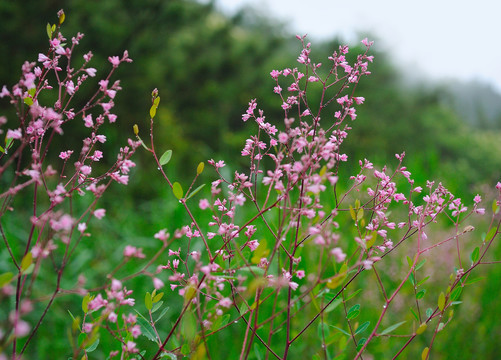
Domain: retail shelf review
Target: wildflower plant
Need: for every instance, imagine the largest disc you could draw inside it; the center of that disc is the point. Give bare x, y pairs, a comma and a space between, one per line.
289, 257
291, 238
59, 197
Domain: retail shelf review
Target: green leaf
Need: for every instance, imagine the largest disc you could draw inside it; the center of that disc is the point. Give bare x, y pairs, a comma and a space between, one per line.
147, 301
414, 314
194, 192
333, 305
389, 329
165, 158
339, 329
353, 295
422, 281
323, 330
171, 356
49, 31
456, 293
441, 301
156, 306
420, 265
429, 312
362, 327
353, 314
409, 261
156, 102
353, 213
85, 303
92, 346
473, 281
28, 101
6, 278
361, 343
177, 190
146, 329
495, 207
200, 168
490, 235
2, 149
158, 297
420, 294
81, 339
412, 279
421, 329
424, 354
61, 18
26, 262
164, 311
475, 255
153, 111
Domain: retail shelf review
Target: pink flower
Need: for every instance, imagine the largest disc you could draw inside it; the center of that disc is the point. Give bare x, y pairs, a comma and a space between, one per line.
5, 92
225, 302
21, 329
157, 283
91, 71
367, 42
97, 303
114, 60
338, 254
300, 274
130, 346
135, 331
203, 204
88, 121
87, 327
14, 134
86, 170
65, 154
82, 227
99, 213
477, 199
253, 244
112, 317
162, 235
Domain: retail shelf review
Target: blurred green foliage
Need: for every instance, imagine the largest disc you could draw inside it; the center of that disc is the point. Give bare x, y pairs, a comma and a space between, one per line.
207, 66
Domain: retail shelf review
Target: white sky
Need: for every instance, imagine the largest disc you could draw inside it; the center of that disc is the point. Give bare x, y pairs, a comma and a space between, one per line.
438, 38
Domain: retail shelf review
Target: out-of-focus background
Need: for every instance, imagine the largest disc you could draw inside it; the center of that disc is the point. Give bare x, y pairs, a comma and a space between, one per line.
434, 92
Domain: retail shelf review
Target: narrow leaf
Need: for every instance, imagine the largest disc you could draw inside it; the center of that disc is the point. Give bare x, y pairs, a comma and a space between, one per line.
92, 346
353, 314
49, 31
158, 297
339, 329
475, 255
164, 311
420, 265
165, 158
456, 293
389, 329
422, 281
362, 327
194, 192
353, 295
85, 303
146, 329
6, 278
